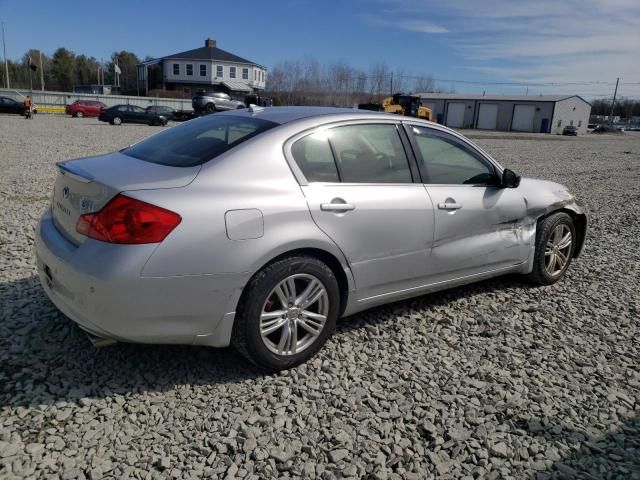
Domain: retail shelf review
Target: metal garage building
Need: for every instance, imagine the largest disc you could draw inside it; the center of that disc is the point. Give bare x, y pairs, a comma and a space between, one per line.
518, 113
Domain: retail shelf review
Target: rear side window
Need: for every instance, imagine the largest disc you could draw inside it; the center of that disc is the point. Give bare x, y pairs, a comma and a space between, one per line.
198, 141
370, 154
313, 155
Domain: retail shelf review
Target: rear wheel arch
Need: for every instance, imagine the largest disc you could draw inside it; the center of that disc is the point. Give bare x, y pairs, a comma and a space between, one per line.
324, 256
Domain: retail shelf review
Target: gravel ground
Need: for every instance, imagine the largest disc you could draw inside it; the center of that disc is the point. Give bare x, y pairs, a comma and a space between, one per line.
494, 380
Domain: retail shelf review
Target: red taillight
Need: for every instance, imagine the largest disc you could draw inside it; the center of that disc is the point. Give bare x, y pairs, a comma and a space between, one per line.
127, 220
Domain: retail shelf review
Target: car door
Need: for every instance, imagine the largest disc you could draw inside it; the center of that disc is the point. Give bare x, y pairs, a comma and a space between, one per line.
363, 192
4, 106
138, 114
479, 226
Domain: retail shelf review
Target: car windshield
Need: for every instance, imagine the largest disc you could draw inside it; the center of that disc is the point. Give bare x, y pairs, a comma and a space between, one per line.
198, 141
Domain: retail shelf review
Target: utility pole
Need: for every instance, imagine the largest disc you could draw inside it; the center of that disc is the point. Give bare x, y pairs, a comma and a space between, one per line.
615, 92
6, 63
41, 72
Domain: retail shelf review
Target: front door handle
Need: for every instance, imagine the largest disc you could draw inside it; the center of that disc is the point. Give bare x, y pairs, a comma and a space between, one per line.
337, 207
449, 206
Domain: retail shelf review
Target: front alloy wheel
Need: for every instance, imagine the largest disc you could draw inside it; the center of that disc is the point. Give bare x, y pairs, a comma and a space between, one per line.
558, 249
294, 314
555, 244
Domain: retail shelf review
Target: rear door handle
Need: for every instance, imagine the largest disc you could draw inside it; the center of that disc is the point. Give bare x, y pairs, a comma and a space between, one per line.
449, 206
337, 207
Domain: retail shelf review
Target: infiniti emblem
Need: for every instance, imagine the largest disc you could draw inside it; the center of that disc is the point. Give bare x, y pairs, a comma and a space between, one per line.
65, 192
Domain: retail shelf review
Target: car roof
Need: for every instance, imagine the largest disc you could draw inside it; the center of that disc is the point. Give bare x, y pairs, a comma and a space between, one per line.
282, 115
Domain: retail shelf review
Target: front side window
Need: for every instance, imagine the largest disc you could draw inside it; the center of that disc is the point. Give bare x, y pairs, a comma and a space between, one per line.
176, 69
136, 109
313, 155
370, 154
219, 71
189, 69
203, 70
245, 74
444, 160
194, 143
232, 72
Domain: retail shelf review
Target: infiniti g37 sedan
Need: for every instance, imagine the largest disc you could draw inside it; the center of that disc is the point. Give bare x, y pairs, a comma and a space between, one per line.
261, 227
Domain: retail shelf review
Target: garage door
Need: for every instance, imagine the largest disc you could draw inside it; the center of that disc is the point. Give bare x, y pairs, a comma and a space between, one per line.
523, 118
455, 115
488, 116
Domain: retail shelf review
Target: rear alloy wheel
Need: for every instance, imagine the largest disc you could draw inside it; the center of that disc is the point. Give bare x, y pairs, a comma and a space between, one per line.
79, 114
117, 121
287, 313
555, 244
210, 107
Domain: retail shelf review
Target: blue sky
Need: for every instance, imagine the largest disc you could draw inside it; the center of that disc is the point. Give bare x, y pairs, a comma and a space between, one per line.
546, 41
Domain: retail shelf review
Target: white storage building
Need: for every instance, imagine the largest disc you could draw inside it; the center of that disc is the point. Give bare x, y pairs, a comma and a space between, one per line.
518, 113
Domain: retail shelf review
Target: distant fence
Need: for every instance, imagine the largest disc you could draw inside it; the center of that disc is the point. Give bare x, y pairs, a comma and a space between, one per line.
61, 99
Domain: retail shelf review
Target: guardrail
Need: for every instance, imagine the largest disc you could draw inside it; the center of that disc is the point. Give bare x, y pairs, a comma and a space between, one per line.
55, 102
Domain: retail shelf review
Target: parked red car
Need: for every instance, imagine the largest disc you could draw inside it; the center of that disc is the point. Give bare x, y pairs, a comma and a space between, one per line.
85, 108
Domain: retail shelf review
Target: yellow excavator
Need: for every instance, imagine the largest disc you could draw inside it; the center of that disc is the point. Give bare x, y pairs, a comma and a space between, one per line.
401, 104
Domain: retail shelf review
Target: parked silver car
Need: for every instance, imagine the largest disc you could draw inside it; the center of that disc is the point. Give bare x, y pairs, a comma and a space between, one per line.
262, 227
215, 102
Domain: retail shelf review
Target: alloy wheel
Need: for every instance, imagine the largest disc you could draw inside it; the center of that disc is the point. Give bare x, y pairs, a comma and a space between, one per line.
557, 250
294, 314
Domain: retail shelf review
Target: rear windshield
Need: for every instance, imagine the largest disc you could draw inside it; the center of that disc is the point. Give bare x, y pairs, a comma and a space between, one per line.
198, 141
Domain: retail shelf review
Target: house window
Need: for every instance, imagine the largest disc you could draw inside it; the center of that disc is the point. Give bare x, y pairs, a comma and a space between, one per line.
232, 72
571, 122
255, 74
176, 69
579, 123
559, 123
219, 71
203, 70
262, 76
189, 69
245, 74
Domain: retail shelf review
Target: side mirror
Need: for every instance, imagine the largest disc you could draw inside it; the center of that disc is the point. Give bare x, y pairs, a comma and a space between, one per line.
510, 179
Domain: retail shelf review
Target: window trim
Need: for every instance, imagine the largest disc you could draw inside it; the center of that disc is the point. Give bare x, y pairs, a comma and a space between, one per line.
173, 69
302, 179
458, 140
232, 71
205, 69
245, 70
186, 69
220, 68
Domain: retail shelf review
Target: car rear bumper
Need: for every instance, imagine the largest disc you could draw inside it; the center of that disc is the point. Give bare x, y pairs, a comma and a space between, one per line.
99, 286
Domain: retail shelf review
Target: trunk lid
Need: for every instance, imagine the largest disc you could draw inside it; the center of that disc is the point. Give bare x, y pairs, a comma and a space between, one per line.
86, 185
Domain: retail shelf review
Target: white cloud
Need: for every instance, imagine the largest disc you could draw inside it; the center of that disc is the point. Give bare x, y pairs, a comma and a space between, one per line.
539, 42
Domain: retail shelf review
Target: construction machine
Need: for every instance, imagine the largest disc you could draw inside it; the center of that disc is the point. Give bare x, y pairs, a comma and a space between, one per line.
401, 104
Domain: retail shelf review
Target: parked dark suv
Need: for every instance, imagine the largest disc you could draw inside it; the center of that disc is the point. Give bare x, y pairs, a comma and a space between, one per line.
131, 114
570, 130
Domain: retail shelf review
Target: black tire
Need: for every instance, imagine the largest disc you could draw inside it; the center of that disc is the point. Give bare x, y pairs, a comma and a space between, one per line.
544, 230
154, 122
246, 336
116, 121
210, 108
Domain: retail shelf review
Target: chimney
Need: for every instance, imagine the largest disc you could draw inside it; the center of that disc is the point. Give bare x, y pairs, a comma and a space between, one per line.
209, 43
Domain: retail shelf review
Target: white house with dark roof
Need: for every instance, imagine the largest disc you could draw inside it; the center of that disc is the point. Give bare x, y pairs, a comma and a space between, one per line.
206, 68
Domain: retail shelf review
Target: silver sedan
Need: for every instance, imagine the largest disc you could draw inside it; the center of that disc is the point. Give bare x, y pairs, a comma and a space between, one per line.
261, 227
